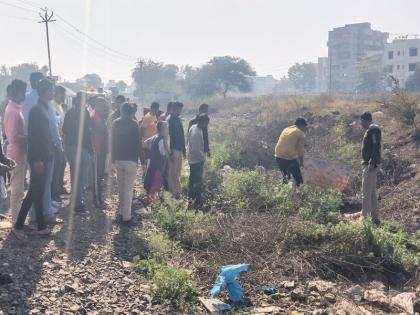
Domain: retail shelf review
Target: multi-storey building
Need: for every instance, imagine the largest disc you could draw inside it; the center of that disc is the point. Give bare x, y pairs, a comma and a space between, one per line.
322, 75
401, 58
346, 46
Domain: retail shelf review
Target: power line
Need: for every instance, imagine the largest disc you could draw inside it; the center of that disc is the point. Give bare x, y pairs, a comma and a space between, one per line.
47, 18
18, 7
19, 18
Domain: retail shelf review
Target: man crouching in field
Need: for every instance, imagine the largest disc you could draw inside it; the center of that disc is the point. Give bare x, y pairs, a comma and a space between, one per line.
289, 151
371, 158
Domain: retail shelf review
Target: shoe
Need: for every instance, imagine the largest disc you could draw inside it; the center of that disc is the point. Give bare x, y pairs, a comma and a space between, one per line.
54, 221
56, 204
376, 222
43, 232
57, 199
19, 234
128, 223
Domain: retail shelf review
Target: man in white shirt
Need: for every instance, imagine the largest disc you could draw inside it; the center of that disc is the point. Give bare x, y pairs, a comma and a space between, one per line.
196, 157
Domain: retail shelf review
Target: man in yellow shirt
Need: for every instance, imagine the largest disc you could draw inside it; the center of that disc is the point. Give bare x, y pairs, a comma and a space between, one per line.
289, 152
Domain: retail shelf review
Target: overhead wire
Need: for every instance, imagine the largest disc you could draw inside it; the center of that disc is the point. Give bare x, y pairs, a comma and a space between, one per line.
17, 7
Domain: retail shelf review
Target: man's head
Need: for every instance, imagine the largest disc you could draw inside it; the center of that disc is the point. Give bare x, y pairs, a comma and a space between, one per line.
301, 123
154, 108
17, 91
169, 107
60, 94
203, 109
162, 128
119, 101
366, 119
34, 78
45, 89
177, 109
127, 110
101, 106
203, 121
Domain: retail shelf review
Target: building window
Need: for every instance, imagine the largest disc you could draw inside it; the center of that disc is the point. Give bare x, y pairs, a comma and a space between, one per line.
399, 53
412, 66
389, 68
391, 54
398, 67
413, 52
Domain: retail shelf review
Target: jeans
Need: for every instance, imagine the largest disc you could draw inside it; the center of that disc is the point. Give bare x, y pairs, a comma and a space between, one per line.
78, 181
195, 183
126, 176
58, 173
370, 196
47, 202
290, 168
33, 197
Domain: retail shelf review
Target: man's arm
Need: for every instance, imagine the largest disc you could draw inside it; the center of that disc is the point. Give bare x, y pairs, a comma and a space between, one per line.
375, 140
301, 149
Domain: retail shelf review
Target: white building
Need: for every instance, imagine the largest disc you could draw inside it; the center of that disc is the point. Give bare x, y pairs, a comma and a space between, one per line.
401, 58
322, 75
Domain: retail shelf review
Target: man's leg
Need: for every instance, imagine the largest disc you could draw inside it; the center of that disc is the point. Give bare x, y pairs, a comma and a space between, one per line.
82, 177
121, 182
366, 191
55, 185
17, 188
130, 177
177, 173
47, 202
374, 196
295, 170
284, 168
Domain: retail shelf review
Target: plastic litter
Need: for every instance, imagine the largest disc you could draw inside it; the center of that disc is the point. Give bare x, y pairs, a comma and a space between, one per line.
228, 280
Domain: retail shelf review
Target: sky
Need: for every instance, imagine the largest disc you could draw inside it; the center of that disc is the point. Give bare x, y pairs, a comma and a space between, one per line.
270, 34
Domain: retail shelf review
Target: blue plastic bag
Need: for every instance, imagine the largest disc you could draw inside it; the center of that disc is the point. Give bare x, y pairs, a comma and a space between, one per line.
228, 280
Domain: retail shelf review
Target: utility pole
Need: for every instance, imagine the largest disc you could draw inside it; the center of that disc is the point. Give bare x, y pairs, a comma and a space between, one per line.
47, 19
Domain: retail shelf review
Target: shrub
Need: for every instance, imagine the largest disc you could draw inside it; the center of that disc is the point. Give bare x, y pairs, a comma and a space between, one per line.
319, 206
173, 286
173, 217
403, 107
147, 267
161, 248
251, 189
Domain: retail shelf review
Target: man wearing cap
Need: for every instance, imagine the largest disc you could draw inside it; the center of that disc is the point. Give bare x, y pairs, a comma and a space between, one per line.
289, 151
371, 158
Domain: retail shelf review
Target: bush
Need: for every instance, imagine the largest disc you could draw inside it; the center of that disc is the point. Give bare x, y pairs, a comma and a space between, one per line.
404, 107
161, 248
147, 267
173, 217
173, 286
319, 206
251, 189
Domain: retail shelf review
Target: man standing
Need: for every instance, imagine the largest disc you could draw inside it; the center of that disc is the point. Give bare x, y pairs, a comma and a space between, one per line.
178, 151
14, 125
31, 98
57, 186
371, 158
116, 110
125, 153
40, 153
148, 125
165, 116
196, 158
78, 151
202, 110
289, 151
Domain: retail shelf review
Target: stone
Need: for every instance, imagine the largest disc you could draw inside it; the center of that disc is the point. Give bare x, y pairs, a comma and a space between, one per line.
298, 295
416, 306
267, 310
355, 293
377, 297
321, 286
288, 284
404, 301
330, 297
5, 279
319, 312
214, 305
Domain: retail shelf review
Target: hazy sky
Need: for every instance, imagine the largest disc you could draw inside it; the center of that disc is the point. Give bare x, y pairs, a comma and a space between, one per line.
270, 34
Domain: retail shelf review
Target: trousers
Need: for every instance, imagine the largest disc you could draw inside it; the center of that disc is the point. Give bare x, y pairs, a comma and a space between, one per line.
174, 173
17, 189
126, 176
370, 195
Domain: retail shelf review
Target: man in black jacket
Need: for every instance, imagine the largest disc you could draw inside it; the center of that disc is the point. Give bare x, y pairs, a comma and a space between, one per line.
202, 110
78, 150
40, 153
371, 158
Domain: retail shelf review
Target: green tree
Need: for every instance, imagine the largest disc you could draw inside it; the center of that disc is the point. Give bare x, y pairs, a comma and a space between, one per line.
155, 77
220, 75
303, 76
413, 81
121, 86
370, 75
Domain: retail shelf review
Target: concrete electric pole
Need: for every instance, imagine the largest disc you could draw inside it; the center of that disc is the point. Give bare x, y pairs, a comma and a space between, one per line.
46, 18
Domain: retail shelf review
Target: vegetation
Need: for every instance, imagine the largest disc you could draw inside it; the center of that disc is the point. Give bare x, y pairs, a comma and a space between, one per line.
303, 76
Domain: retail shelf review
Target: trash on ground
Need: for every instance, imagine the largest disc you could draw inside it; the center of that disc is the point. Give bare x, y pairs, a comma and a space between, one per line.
214, 305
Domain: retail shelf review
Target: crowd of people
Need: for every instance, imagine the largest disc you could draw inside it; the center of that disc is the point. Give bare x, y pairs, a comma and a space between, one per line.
95, 138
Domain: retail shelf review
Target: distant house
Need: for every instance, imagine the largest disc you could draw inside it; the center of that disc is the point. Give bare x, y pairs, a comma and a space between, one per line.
401, 58
322, 75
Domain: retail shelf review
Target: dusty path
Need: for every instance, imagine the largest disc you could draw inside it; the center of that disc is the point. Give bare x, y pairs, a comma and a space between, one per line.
82, 268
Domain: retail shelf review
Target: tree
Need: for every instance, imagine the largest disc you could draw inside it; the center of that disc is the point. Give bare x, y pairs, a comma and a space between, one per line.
155, 77
370, 75
303, 76
90, 80
220, 75
413, 81
121, 86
